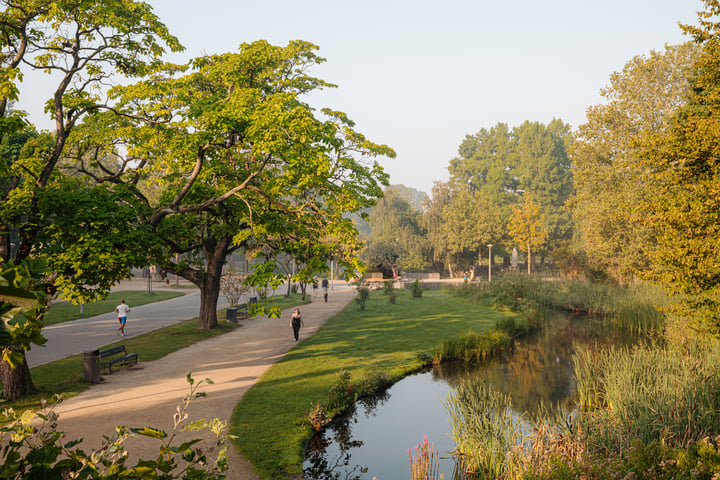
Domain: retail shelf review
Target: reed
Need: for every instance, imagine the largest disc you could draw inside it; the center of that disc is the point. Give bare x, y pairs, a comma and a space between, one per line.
485, 429
636, 306
649, 393
472, 347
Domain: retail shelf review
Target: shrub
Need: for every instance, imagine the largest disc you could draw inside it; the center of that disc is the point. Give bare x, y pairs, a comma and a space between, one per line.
392, 297
388, 287
363, 295
30, 452
416, 289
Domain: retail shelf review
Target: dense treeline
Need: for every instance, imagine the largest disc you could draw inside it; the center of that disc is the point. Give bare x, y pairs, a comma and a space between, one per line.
631, 194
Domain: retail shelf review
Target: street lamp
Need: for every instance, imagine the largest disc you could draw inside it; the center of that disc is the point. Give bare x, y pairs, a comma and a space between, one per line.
490, 260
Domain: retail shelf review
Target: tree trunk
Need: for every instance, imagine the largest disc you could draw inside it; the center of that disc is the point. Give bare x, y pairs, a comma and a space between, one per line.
209, 282
16, 382
529, 258
209, 293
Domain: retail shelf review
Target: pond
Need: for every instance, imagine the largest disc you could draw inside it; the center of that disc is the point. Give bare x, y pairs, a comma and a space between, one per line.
372, 441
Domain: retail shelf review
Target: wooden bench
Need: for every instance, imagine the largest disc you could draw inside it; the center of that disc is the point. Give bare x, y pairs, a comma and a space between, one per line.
117, 356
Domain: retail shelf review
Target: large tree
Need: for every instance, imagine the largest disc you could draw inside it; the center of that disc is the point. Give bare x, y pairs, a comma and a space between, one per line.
610, 182
460, 223
397, 241
531, 159
84, 45
527, 228
684, 208
240, 156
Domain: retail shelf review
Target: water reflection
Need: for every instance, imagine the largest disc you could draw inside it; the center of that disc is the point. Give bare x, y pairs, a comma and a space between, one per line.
373, 439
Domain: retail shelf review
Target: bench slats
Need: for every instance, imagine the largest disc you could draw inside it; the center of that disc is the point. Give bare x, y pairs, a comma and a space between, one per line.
117, 356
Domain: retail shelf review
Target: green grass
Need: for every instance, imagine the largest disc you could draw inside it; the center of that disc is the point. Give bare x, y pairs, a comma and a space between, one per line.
282, 302
65, 312
392, 339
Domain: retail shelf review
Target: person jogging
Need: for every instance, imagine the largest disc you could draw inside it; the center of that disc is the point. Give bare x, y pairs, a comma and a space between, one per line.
122, 311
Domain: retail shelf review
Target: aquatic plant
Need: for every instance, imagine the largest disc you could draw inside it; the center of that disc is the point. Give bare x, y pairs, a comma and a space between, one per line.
485, 429
649, 393
472, 346
424, 465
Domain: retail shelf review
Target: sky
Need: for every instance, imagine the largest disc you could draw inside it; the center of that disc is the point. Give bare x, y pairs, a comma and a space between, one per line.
420, 75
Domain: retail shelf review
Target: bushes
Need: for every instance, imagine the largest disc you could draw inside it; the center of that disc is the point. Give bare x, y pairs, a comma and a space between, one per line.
416, 289
30, 452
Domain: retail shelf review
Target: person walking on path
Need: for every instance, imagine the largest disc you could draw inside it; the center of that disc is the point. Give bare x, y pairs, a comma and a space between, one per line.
122, 311
296, 322
325, 288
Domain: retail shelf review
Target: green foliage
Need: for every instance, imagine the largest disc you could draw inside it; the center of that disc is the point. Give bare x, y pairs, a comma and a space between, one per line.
416, 289
242, 161
611, 183
532, 158
460, 222
396, 242
42, 452
361, 299
22, 299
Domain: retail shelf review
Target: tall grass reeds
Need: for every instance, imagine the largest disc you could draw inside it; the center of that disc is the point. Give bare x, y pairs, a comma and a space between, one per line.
636, 306
649, 393
472, 347
485, 429
493, 441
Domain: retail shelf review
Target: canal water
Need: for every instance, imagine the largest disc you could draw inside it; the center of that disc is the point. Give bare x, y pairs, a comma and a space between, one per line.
372, 441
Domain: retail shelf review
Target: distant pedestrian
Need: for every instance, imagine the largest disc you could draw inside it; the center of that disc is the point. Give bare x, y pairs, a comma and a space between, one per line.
315, 287
296, 322
325, 288
122, 311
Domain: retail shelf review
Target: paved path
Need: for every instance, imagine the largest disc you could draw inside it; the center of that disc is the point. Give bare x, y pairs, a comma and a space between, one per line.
70, 338
147, 395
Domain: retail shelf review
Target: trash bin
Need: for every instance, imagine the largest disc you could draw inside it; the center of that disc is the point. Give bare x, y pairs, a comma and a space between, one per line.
231, 314
91, 365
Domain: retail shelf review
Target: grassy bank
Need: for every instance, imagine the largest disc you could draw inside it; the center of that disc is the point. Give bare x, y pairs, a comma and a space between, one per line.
384, 341
636, 306
65, 312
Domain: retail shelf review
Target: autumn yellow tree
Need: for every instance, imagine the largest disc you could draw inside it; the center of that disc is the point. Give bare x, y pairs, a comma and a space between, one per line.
527, 227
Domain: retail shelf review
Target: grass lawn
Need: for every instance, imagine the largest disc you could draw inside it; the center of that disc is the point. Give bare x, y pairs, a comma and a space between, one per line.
385, 338
65, 312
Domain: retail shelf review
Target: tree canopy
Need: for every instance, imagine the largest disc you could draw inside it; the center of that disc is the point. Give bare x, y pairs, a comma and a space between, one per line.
241, 160
610, 179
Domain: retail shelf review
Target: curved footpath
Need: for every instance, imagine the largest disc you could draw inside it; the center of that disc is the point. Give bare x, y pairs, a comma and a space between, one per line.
147, 395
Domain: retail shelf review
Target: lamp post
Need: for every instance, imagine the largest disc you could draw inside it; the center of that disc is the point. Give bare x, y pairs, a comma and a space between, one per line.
490, 262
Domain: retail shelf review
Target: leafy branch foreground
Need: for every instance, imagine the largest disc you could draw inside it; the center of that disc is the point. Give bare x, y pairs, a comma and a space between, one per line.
32, 451
370, 348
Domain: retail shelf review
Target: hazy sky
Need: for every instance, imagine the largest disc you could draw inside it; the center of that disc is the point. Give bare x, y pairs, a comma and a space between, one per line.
420, 75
